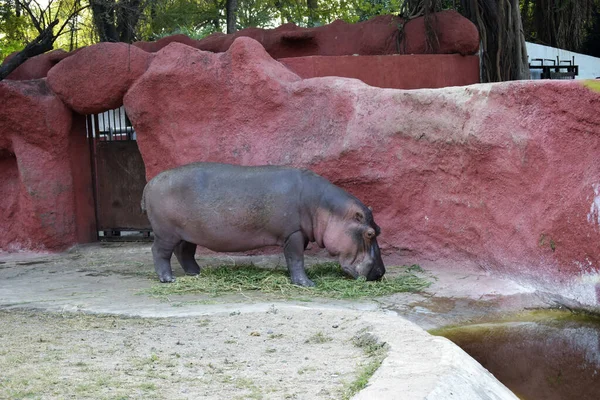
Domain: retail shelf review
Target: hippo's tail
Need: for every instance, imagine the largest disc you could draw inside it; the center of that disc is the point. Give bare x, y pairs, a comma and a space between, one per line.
143, 202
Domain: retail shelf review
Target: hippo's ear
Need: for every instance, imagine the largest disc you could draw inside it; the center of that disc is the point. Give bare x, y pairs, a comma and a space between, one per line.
370, 208
359, 216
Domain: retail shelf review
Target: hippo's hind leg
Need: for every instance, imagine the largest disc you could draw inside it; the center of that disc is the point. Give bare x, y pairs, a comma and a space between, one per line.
185, 252
162, 250
294, 256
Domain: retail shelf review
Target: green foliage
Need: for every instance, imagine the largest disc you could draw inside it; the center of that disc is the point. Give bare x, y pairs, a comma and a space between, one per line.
260, 14
329, 279
199, 18
195, 18
328, 11
15, 31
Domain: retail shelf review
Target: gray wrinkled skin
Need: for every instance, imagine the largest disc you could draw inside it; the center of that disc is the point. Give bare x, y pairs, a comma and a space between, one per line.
229, 208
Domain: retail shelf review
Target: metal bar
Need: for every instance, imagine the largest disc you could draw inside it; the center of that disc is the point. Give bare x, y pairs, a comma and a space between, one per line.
129, 132
114, 123
104, 133
118, 122
110, 135
96, 126
92, 144
114, 126
123, 137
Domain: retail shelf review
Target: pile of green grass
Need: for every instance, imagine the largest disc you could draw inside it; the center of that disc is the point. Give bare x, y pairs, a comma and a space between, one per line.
328, 277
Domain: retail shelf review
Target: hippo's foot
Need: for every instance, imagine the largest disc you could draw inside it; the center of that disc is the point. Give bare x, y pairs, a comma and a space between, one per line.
167, 279
302, 281
192, 273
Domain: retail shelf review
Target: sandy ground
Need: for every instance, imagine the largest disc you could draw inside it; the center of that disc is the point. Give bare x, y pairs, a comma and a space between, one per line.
271, 355
78, 325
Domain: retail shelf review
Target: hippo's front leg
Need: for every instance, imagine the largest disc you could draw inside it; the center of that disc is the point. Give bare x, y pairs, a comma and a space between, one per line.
294, 256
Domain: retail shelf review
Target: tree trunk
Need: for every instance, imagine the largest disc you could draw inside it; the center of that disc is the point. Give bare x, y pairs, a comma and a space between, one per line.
103, 12
504, 55
128, 14
312, 12
39, 45
521, 59
231, 7
216, 20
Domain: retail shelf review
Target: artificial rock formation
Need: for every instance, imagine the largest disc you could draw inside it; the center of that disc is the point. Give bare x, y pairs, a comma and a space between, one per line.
37, 67
95, 78
504, 176
44, 171
377, 36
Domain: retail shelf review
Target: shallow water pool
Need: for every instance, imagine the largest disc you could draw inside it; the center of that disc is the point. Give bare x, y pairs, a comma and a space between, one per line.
547, 355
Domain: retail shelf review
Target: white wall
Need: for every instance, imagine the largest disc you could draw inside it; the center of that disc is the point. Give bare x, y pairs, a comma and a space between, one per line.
589, 67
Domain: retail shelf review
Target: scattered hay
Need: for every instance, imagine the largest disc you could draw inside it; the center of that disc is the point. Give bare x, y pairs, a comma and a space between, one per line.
328, 277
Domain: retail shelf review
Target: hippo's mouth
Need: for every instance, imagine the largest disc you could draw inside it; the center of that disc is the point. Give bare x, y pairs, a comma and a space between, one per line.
350, 272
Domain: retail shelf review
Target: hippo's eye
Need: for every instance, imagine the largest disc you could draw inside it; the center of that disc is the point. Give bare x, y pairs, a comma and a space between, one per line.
370, 233
359, 217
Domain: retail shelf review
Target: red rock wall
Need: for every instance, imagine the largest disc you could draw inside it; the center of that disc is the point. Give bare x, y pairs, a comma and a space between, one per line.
392, 71
41, 181
502, 176
377, 36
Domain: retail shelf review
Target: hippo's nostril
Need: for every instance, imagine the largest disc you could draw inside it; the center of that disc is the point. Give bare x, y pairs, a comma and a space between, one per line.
376, 273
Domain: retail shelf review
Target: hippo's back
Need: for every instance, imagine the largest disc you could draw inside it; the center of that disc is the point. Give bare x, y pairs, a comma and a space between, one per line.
196, 178
213, 204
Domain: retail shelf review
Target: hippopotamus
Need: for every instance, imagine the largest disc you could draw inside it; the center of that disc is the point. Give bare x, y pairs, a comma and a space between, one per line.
231, 208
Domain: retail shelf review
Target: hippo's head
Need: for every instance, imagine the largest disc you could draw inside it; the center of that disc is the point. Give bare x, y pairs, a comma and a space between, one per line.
351, 235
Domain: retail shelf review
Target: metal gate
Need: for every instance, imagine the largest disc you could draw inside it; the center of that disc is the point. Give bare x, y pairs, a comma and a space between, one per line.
119, 176
554, 69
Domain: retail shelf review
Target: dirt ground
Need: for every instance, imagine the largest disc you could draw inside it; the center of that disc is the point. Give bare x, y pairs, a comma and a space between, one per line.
271, 355
79, 325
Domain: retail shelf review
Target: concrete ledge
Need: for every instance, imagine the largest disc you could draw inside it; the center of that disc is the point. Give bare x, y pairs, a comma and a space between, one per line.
422, 366
106, 279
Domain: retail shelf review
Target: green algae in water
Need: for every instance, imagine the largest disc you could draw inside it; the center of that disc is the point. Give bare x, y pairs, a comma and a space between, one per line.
549, 355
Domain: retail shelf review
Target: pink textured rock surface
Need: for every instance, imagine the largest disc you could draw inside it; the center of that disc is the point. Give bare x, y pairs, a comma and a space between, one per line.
42, 171
502, 176
37, 67
95, 78
455, 33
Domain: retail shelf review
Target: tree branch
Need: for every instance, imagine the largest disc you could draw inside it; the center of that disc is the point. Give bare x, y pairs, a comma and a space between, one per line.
34, 19
75, 12
39, 45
